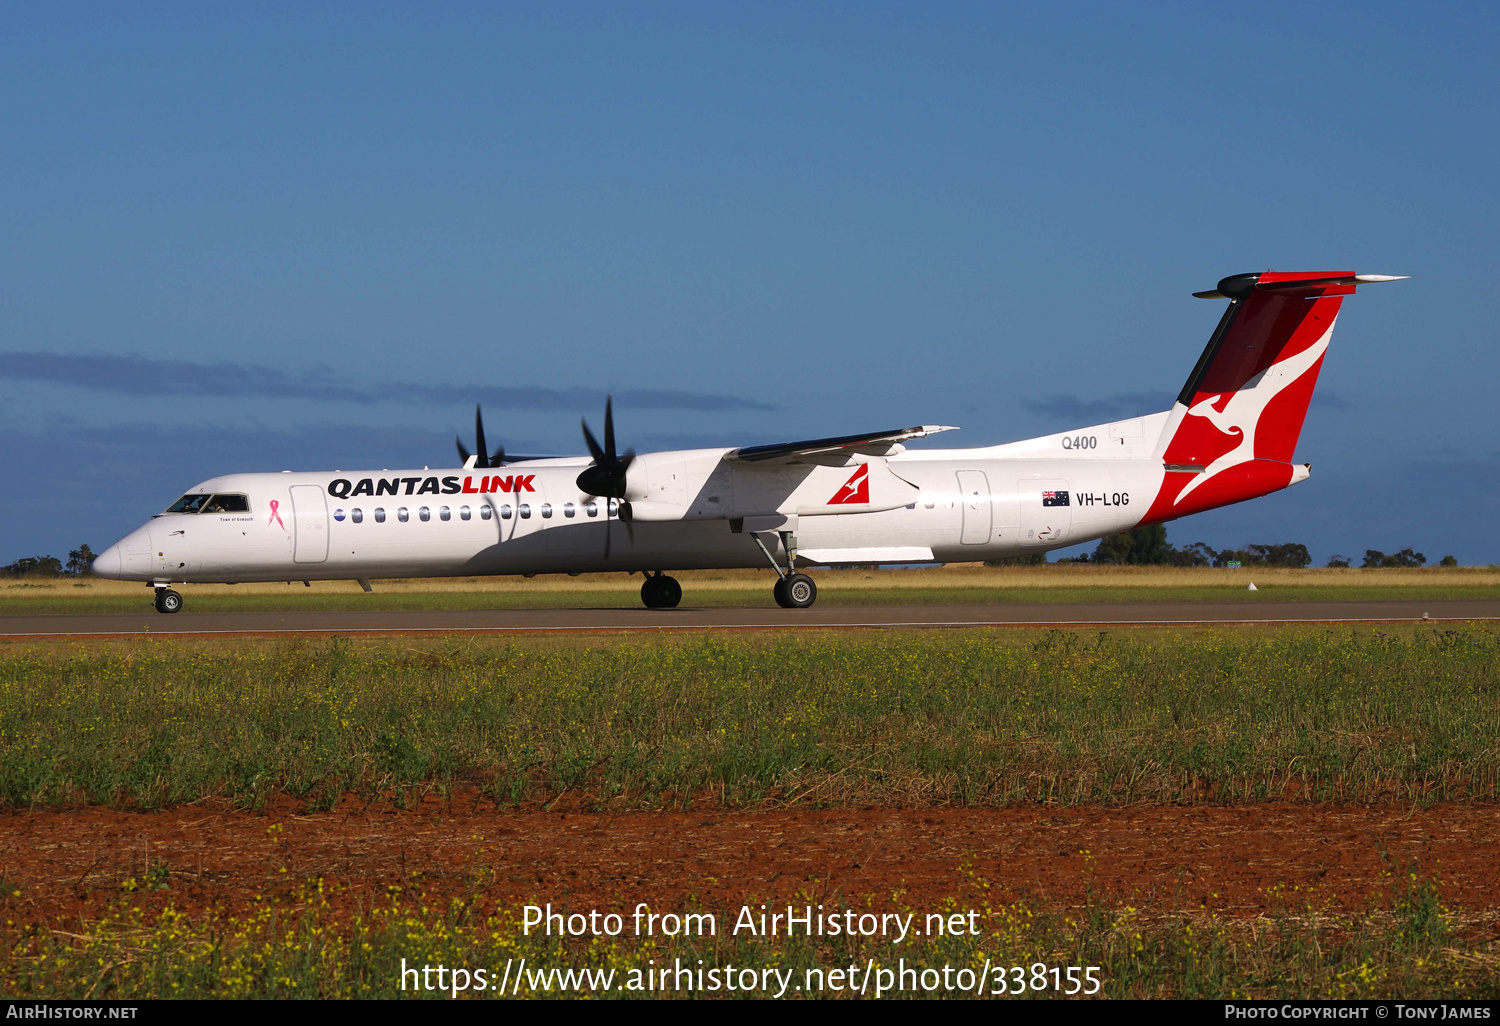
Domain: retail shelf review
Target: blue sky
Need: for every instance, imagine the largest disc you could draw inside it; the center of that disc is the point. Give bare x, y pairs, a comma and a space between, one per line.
281, 237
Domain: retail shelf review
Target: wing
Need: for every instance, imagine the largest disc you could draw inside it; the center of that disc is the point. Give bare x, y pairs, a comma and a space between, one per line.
814, 450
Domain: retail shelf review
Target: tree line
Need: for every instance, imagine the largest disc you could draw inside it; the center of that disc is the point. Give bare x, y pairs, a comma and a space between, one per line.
80, 560
1148, 546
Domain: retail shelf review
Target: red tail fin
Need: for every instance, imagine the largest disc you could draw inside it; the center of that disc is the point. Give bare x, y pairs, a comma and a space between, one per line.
1235, 425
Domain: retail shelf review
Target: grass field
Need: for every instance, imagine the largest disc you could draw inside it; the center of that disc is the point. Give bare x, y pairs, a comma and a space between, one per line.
958, 585
906, 719
916, 720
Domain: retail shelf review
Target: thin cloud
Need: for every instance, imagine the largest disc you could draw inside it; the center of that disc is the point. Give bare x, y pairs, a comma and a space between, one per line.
653, 441
1097, 411
135, 375
532, 398
1077, 410
1327, 400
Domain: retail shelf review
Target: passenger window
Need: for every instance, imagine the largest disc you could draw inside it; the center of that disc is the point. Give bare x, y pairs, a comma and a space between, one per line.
614, 507
424, 514
402, 515
929, 502
464, 512
338, 514
591, 508
444, 513
505, 512
546, 510
379, 515
357, 515
525, 510
568, 510
485, 512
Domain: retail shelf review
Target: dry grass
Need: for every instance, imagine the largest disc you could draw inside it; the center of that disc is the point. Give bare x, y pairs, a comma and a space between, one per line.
960, 576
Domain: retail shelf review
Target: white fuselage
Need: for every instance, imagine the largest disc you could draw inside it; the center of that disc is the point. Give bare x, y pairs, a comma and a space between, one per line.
693, 510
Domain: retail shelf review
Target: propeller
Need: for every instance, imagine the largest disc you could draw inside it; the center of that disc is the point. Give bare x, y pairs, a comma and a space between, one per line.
485, 459
605, 476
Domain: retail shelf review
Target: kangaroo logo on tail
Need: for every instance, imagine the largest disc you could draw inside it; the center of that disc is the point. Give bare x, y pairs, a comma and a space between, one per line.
1241, 414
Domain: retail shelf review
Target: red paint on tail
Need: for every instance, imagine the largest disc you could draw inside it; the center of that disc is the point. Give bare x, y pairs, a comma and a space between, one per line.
1243, 408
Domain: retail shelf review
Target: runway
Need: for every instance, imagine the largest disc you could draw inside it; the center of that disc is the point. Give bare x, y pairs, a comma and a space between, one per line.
824, 617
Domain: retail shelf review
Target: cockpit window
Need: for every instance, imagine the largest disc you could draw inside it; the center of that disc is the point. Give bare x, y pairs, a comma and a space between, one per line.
227, 504
189, 503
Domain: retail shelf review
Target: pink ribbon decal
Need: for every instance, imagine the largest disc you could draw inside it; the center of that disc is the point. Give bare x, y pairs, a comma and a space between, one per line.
275, 515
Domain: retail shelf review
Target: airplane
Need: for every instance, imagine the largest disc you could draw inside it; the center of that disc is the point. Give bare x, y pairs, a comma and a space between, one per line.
853, 499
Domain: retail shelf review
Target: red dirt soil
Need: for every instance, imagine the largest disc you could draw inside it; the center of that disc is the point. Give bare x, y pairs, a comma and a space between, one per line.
1230, 859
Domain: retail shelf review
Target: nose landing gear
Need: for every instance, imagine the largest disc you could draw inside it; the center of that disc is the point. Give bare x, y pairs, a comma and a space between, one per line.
660, 591
167, 601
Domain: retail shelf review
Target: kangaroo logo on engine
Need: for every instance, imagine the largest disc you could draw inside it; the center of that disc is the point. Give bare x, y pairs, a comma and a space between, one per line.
856, 490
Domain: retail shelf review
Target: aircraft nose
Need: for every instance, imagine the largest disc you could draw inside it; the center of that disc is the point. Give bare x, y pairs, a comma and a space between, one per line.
128, 559
110, 563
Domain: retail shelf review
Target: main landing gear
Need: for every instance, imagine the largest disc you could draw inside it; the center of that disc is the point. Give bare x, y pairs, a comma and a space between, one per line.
793, 590
660, 591
167, 601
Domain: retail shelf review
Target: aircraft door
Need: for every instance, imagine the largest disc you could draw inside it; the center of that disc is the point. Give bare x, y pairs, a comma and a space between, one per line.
974, 494
1046, 511
310, 522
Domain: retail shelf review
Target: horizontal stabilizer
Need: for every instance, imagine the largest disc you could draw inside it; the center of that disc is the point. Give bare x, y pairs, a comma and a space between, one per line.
1238, 286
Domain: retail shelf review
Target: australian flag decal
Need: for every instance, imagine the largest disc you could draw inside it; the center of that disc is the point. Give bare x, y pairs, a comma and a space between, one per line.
1055, 499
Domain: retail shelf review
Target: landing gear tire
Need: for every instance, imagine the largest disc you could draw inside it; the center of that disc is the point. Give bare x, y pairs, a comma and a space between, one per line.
168, 601
661, 592
796, 591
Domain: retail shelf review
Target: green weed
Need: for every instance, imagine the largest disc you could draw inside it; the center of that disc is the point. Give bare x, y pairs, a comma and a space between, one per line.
904, 719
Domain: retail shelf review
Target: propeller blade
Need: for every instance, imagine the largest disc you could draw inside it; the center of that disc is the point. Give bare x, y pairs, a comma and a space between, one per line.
628, 519
609, 428
484, 458
594, 450
484, 452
